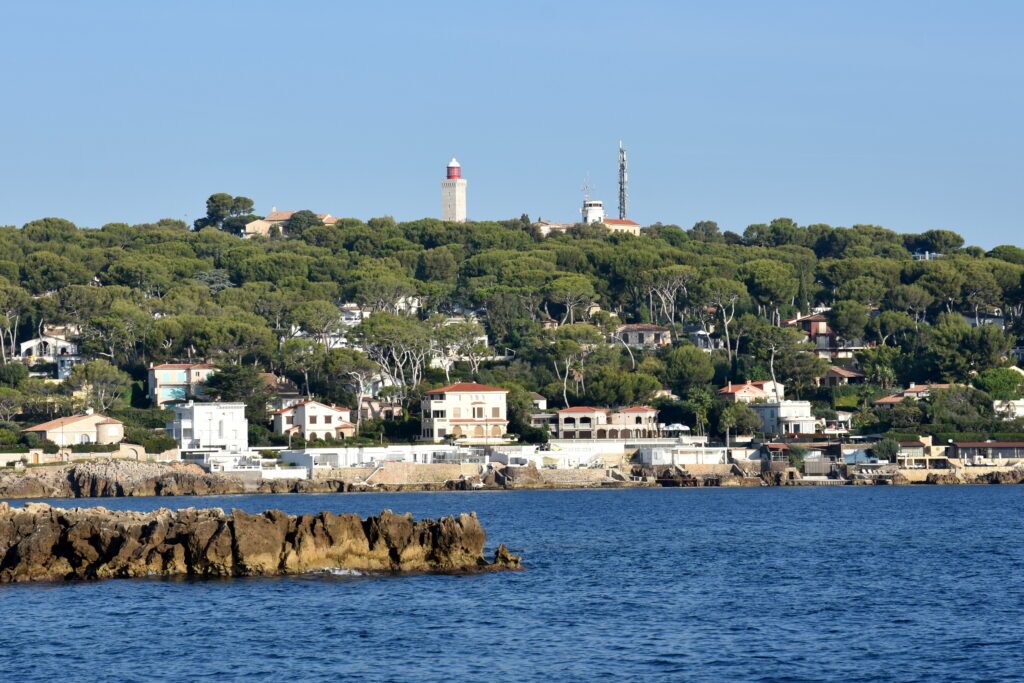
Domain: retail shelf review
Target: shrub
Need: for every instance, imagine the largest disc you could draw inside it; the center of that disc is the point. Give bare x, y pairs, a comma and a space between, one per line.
94, 447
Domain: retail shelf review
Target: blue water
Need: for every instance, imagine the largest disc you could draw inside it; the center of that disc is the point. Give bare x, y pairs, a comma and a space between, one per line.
841, 584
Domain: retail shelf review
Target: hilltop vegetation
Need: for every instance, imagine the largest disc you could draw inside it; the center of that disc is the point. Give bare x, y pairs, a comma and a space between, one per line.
162, 291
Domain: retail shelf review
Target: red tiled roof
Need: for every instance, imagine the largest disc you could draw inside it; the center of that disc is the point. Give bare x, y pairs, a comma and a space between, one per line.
582, 409
175, 366
636, 409
843, 372
620, 221
925, 387
64, 421
292, 407
736, 388
467, 388
641, 327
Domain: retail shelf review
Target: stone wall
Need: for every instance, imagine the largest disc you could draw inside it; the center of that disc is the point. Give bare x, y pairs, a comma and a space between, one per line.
414, 474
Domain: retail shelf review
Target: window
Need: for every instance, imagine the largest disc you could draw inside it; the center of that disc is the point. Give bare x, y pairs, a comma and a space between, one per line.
495, 411
441, 433
456, 412
312, 419
327, 419
478, 412
437, 414
290, 420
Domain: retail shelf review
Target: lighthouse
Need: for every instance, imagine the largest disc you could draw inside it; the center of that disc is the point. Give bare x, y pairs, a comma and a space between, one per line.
453, 194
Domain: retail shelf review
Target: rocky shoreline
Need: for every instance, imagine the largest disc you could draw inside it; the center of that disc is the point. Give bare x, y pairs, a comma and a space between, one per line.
43, 543
116, 479
126, 478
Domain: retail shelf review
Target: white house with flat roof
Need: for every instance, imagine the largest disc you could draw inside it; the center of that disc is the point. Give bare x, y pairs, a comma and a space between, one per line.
786, 417
210, 428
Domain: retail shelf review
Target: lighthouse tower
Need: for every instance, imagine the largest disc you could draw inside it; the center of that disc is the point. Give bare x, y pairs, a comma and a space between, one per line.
453, 194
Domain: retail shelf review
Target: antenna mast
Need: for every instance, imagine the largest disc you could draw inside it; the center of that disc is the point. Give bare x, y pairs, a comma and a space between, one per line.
623, 180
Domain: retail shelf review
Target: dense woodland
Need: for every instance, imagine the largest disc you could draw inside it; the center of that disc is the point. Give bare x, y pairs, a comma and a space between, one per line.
166, 291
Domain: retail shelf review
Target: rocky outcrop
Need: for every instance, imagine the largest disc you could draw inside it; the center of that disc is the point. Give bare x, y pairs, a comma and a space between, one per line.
944, 478
42, 543
117, 478
1015, 476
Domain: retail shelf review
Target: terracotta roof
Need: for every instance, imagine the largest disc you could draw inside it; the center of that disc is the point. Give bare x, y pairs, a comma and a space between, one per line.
636, 409
920, 388
175, 366
64, 421
467, 388
737, 388
843, 372
989, 444
641, 327
620, 221
895, 398
582, 409
292, 407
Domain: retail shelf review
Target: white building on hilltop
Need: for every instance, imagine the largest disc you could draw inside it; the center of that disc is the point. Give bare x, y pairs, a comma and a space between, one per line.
203, 428
453, 194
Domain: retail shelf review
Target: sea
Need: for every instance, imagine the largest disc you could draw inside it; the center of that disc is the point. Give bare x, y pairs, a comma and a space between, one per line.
768, 584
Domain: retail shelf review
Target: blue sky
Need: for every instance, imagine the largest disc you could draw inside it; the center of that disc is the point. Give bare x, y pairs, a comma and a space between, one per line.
904, 114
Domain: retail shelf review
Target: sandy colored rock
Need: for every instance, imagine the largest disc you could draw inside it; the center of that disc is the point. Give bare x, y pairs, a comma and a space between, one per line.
40, 543
108, 478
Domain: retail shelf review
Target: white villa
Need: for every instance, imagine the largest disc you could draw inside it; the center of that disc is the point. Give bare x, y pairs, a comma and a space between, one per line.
466, 411
54, 345
314, 420
638, 422
210, 428
786, 417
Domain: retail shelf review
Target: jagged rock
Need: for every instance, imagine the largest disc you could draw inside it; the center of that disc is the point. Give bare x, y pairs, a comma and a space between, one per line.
1015, 476
40, 543
107, 478
937, 478
503, 558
